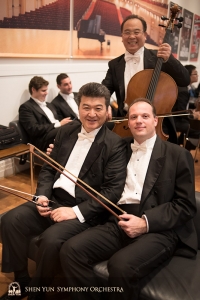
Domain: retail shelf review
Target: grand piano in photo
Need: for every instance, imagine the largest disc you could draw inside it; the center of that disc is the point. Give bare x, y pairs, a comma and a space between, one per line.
90, 29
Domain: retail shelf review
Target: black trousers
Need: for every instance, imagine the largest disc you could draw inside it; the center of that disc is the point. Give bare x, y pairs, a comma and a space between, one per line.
130, 259
24, 222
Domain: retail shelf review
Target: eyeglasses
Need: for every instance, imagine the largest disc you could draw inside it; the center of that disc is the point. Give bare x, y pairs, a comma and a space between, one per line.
134, 32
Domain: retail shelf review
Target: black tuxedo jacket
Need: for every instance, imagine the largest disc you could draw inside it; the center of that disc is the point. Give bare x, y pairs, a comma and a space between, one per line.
114, 79
104, 169
168, 196
36, 123
62, 107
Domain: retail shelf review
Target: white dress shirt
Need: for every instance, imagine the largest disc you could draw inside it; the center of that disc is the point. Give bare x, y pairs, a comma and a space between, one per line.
48, 112
134, 64
136, 172
71, 102
74, 165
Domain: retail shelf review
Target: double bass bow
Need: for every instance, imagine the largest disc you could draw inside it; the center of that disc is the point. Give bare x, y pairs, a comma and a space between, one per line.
77, 181
153, 84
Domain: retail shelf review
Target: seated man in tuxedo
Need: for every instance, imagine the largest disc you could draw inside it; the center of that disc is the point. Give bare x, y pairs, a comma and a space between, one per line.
66, 101
38, 117
158, 203
91, 152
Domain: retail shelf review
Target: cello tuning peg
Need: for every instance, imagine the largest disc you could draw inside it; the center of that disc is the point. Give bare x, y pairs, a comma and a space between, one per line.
179, 25
164, 18
180, 19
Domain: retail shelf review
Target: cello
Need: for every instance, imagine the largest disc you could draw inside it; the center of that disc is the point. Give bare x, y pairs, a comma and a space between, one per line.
153, 84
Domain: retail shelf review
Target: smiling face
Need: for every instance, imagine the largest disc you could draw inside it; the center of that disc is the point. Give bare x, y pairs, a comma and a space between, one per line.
65, 86
133, 42
40, 94
93, 112
142, 121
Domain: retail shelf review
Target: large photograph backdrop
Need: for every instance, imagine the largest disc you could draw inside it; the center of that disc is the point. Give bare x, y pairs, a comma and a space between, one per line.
75, 28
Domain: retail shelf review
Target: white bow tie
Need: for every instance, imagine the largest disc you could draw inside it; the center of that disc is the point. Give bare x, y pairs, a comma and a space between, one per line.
135, 57
138, 147
43, 104
71, 95
86, 136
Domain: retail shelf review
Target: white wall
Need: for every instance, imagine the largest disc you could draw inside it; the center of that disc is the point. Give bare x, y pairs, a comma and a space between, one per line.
15, 74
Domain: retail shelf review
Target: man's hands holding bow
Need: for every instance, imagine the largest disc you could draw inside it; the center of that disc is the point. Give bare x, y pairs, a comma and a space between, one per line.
133, 226
57, 215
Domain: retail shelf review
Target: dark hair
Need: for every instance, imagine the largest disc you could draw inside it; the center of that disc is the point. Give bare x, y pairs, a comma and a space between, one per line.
144, 24
37, 82
190, 68
60, 77
146, 101
94, 89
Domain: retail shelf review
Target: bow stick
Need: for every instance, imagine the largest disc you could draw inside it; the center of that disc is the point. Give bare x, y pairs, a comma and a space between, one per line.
166, 115
12, 191
32, 147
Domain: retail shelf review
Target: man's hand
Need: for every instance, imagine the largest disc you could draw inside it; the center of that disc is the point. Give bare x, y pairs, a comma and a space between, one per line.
65, 121
133, 226
164, 51
196, 115
43, 211
63, 213
49, 150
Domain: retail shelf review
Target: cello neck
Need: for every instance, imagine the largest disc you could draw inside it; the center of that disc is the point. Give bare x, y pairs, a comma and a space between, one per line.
156, 73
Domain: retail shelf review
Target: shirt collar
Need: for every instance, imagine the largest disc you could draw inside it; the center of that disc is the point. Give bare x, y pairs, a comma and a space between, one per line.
91, 133
149, 143
137, 53
40, 103
67, 96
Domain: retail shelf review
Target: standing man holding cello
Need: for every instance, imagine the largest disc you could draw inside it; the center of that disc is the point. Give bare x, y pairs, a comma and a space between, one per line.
138, 58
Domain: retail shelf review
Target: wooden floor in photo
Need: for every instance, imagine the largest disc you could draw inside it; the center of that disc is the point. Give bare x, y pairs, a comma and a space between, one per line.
21, 181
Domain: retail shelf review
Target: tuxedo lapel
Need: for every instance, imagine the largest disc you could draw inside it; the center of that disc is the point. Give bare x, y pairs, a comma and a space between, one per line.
36, 107
94, 152
75, 98
149, 60
120, 67
51, 107
66, 107
67, 146
155, 166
